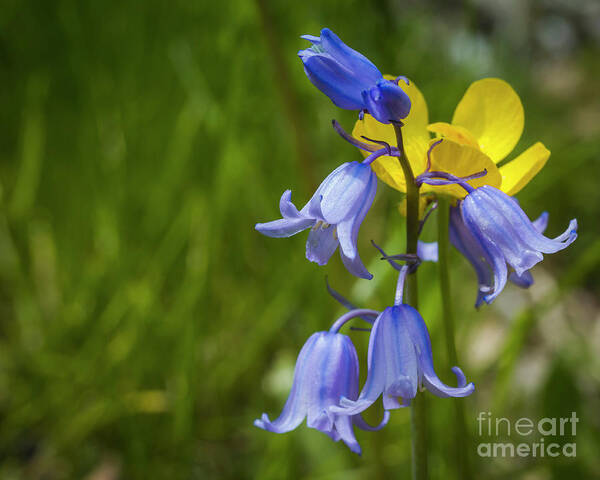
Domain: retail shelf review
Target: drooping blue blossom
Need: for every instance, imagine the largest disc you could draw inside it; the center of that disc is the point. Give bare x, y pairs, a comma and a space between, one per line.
334, 215
326, 370
399, 362
467, 244
494, 233
351, 80
464, 241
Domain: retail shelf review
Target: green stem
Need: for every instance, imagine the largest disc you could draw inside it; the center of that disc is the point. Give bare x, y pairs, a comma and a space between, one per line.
418, 417
443, 215
460, 441
418, 426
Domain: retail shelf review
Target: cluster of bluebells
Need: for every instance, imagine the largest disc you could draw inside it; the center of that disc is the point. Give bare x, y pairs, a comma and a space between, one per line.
487, 226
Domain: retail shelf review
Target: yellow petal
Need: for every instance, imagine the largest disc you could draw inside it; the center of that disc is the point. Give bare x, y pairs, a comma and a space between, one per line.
370, 128
388, 170
518, 172
461, 161
492, 111
456, 133
414, 133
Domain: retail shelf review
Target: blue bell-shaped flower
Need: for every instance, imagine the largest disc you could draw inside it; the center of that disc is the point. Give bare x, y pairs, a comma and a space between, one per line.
493, 232
326, 370
334, 214
351, 80
399, 361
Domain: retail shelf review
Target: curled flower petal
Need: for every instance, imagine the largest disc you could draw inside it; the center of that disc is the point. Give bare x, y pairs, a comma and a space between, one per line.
420, 337
286, 207
360, 422
291, 223
355, 266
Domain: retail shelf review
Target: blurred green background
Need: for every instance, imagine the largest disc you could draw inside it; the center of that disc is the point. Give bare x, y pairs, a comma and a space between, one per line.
144, 323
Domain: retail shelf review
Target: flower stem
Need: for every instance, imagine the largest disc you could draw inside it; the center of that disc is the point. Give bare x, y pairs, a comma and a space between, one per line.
418, 406
460, 440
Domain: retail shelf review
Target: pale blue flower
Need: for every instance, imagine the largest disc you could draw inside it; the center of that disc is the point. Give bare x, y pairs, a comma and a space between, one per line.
494, 233
326, 371
334, 215
399, 362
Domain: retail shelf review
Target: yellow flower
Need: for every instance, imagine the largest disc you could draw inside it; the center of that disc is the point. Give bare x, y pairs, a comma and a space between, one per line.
486, 126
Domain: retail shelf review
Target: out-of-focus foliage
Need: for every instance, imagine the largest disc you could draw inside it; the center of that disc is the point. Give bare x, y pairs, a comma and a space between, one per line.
144, 323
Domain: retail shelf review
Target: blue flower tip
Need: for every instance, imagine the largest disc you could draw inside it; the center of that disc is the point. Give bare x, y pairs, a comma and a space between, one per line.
260, 422
315, 259
460, 377
355, 447
490, 298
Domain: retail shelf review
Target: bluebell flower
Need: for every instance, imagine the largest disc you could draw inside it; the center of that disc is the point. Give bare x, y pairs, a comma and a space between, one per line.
326, 370
399, 362
492, 231
351, 80
334, 214
467, 244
